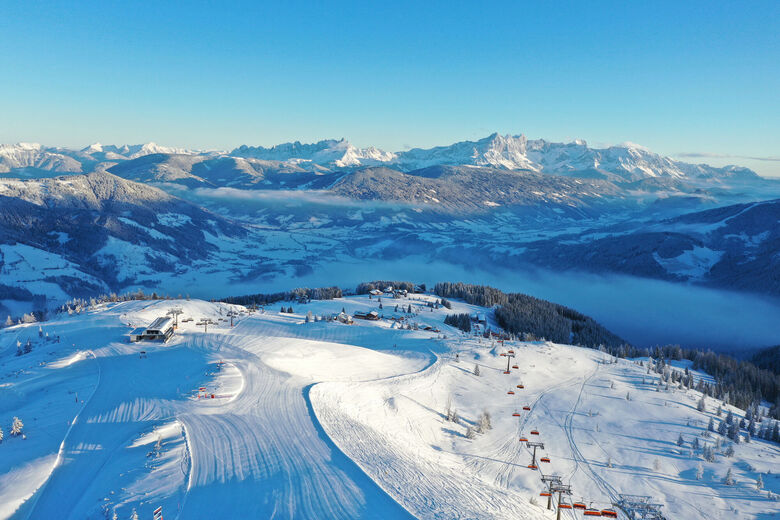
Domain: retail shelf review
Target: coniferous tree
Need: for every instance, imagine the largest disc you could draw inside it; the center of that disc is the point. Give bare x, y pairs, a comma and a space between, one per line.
16, 426
729, 478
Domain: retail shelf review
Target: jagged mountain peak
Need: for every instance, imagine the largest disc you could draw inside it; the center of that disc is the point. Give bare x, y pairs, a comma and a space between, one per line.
328, 152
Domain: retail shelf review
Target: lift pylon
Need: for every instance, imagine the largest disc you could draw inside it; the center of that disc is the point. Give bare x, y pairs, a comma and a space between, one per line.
561, 489
534, 445
551, 481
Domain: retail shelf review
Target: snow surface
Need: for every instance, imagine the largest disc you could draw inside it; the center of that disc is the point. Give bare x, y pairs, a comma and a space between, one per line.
327, 420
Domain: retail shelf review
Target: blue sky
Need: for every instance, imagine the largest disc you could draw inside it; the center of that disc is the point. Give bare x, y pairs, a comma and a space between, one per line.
695, 80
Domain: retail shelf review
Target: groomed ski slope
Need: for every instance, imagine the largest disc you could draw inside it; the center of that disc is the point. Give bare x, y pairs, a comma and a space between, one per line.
328, 420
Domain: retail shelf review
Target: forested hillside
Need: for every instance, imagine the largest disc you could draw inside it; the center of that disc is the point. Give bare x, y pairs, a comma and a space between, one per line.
522, 314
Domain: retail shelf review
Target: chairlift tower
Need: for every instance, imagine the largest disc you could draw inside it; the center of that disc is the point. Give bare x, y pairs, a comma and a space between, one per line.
561, 489
639, 507
175, 312
205, 322
534, 445
509, 355
551, 481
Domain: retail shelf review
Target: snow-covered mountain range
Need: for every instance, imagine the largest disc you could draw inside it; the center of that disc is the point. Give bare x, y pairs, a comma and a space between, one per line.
621, 163
112, 218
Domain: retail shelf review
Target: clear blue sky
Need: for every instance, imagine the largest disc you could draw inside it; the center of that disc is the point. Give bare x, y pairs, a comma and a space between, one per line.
677, 77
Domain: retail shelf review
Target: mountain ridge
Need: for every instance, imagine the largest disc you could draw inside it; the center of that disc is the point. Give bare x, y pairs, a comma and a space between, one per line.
626, 162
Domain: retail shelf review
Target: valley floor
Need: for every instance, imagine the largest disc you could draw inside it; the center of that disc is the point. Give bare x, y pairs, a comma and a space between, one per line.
329, 420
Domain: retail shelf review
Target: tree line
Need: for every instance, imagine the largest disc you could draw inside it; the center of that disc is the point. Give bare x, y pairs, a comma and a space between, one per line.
737, 382
367, 287
461, 321
299, 294
522, 315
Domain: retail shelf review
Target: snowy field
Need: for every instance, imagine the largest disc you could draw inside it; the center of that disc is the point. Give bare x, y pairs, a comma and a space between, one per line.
335, 420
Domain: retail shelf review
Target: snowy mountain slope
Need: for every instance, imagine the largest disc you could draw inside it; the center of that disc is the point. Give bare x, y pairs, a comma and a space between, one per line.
192, 171
732, 246
109, 430
330, 153
627, 162
33, 159
473, 189
67, 235
33, 156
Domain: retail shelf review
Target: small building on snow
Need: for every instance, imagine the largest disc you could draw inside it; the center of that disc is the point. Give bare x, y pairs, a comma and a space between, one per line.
160, 329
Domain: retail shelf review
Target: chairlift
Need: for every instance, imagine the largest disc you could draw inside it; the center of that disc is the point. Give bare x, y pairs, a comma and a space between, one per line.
527, 408
503, 354
592, 512
545, 494
564, 505
506, 371
515, 367
521, 386
511, 392
545, 459
534, 432
516, 414
532, 466
609, 513
579, 505
523, 439
511, 352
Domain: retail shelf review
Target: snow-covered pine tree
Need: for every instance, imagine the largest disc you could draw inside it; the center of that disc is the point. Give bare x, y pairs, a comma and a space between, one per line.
699, 471
729, 478
476, 369
733, 432
16, 426
680, 440
722, 428
760, 482
9, 322
483, 422
695, 444
134, 515
711, 425
702, 407
729, 417
1, 435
